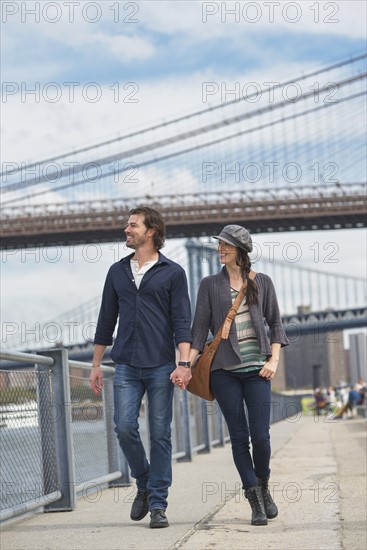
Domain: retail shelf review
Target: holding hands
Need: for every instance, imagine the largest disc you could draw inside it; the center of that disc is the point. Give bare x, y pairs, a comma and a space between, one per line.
181, 376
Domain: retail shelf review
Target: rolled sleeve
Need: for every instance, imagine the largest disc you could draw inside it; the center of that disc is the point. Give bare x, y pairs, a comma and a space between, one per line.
273, 318
180, 308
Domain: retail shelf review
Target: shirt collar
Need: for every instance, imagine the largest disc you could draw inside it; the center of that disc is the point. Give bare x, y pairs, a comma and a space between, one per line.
161, 259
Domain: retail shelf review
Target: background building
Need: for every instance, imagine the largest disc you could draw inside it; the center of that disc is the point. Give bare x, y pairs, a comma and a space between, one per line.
357, 356
315, 360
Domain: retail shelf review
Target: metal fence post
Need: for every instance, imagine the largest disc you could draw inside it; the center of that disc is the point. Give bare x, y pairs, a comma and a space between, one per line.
46, 425
177, 428
116, 459
205, 425
61, 405
186, 427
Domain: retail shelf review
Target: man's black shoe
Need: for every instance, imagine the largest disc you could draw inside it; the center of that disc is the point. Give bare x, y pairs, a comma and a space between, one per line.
140, 506
158, 519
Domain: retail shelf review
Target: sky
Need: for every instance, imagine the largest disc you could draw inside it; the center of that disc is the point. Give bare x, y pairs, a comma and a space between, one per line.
76, 73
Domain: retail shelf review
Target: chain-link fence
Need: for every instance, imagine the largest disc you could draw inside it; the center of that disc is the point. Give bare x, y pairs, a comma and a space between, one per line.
28, 465
58, 439
89, 431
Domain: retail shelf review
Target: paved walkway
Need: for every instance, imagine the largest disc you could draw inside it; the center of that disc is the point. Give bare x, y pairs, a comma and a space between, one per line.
319, 484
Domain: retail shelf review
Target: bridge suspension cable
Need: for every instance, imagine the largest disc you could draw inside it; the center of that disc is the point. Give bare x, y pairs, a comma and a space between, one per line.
209, 109
178, 139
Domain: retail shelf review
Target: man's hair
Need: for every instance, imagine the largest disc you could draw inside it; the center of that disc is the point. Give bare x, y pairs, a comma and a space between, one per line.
152, 220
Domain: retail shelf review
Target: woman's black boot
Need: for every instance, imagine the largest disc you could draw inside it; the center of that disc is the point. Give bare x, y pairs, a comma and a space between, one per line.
254, 496
271, 509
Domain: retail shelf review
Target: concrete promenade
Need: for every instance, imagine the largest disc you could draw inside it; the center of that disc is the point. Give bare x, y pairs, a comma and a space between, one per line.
318, 479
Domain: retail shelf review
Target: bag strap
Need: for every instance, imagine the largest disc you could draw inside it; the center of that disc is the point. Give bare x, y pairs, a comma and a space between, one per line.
233, 310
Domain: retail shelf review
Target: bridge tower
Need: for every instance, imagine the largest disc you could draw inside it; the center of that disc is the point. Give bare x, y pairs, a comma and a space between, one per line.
195, 268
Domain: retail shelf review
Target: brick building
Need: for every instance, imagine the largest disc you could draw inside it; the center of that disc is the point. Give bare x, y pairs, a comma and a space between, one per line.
311, 360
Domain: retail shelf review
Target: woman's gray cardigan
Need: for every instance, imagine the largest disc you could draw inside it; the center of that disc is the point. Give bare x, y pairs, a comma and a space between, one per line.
213, 303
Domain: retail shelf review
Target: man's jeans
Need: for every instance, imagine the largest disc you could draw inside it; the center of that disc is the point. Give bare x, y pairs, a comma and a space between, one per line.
231, 389
130, 385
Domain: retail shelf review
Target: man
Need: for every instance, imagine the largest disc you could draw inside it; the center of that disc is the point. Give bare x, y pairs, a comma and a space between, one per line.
148, 292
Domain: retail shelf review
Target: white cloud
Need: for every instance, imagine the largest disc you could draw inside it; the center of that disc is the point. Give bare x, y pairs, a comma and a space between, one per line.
36, 130
181, 22
124, 48
202, 21
74, 32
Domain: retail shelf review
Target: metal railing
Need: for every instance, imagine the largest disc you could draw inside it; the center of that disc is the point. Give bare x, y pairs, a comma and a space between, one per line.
63, 443
58, 439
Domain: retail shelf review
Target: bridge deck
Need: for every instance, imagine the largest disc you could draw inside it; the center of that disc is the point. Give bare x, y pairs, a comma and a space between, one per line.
186, 216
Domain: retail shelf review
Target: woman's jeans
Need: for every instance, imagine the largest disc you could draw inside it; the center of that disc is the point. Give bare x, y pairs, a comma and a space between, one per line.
231, 389
130, 385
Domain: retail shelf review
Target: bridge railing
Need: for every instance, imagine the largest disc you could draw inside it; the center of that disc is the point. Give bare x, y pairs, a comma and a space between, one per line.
58, 439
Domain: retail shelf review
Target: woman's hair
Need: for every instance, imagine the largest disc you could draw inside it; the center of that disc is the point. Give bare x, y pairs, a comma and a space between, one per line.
244, 262
152, 220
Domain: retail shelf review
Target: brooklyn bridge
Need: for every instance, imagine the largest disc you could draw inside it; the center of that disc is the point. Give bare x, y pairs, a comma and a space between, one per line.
292, 163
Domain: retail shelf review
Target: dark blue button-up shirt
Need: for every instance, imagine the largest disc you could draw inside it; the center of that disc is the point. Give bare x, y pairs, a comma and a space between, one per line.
151, 319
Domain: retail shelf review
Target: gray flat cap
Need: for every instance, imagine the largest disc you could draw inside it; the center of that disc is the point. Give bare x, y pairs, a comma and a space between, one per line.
236, 236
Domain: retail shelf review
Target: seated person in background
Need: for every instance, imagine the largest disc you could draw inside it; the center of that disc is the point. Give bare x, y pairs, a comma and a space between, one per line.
333, 402
356, 397
320, 401
361, 385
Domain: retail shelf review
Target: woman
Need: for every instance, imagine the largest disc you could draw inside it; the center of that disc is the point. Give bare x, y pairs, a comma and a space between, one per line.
245, 363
